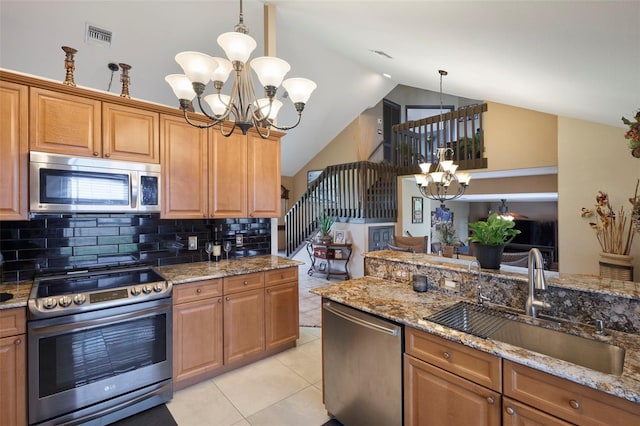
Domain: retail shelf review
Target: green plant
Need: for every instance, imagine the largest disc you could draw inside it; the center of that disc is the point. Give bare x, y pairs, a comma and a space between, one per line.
325, 223
494, 231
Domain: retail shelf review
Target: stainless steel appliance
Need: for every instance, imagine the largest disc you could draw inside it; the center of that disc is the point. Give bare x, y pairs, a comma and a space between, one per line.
99, 345
60, 183
362, 365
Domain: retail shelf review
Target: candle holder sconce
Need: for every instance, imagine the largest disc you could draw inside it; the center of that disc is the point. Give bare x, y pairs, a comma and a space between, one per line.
125, 79
69, 65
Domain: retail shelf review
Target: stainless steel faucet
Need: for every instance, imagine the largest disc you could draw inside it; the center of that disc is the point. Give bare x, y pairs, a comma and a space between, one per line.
536, 281
481, 298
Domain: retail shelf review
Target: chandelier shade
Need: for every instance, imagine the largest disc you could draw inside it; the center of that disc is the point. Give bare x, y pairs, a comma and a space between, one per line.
241, 107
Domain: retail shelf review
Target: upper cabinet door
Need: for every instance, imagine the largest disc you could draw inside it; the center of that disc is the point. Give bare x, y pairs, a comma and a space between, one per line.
184, 169
14, 151
228, 174
264, 176
130, 134
64, 124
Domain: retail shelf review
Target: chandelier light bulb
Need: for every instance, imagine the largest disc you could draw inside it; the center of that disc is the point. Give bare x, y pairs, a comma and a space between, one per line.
181, 86
299, 89
197, 66
270, 70
221, 73
424, 167
262, 105
218, 103
237, 46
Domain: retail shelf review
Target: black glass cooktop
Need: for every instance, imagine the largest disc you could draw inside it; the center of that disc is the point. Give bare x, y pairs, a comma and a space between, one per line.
95, 281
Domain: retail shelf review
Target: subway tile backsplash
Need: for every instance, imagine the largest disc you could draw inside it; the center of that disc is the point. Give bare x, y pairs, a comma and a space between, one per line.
50, 242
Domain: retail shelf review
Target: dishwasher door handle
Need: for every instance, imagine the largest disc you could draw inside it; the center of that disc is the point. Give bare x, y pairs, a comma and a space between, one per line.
393, 331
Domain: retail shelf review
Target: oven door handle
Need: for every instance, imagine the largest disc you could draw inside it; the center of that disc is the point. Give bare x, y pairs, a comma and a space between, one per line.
43, 329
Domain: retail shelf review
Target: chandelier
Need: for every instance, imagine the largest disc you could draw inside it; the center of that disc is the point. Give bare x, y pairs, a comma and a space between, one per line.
437, 185
242, 107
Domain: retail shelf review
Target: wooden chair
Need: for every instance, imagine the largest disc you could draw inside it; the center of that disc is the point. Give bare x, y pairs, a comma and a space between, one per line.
418, 244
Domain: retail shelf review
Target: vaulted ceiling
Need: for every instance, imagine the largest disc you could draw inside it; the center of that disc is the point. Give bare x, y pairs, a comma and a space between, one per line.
572, 58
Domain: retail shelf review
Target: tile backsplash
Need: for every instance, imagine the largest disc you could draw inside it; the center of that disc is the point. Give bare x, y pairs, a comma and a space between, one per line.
62, 241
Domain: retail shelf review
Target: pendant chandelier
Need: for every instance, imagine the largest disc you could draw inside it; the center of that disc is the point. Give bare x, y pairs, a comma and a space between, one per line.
436, 185
242, 107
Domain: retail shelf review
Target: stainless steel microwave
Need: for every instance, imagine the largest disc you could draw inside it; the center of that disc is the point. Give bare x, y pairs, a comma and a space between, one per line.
61, 183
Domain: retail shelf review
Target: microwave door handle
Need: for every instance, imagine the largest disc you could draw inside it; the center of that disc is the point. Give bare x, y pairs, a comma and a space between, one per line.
134, 190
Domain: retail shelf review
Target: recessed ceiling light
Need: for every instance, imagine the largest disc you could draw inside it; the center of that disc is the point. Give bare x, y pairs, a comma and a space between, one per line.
386, 75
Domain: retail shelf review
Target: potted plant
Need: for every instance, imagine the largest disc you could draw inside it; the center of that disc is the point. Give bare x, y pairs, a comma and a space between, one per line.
325, 223
447, 237
490, 237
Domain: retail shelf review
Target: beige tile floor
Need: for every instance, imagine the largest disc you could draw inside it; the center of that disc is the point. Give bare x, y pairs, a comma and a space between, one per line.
282, 390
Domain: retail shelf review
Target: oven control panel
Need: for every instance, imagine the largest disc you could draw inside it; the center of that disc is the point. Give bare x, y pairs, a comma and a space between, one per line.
75, 296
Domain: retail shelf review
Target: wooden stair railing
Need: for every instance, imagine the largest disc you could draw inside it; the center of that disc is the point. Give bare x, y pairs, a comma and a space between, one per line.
416, 142
361, 191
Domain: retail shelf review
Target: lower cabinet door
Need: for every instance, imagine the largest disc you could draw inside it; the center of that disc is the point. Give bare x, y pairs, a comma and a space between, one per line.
281, 314
197, 338
243, 325
436, 397
13, 381
517, 414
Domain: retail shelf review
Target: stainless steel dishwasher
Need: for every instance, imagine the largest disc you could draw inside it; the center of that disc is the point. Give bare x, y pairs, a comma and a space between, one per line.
362, 367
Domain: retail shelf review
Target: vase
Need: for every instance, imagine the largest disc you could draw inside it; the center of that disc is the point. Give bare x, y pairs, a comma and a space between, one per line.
447, 251
489, 256
616, 266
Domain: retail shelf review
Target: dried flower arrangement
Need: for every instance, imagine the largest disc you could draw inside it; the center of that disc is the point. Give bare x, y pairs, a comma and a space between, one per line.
615, 231
633, 134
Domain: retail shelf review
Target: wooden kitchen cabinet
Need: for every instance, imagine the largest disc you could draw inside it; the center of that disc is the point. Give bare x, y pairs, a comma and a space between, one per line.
281, 307
14, 151
228, 175
447, 383
263, 176
64, 124
197, 331
574, 403
184, 169
130, 134
243, 325
13, 371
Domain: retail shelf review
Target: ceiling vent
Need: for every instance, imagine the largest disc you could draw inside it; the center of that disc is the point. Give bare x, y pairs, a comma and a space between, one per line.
95, 35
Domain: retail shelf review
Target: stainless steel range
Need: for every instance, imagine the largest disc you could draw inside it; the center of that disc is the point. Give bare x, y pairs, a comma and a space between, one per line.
99, 345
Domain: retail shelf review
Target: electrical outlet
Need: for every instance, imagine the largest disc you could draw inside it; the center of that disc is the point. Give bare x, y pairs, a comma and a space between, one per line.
450, 285
239, 240
193, 242
402, 275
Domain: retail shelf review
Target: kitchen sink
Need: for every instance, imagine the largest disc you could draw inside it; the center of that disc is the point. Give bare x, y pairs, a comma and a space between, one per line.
494, 324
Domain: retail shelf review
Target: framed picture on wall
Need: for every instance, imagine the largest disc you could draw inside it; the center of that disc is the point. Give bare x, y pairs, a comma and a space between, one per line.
416, 210
440, 215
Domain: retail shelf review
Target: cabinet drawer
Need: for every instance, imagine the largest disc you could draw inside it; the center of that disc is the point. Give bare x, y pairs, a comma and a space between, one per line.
567, 400
479, 367
279, 276
13, 322
517, 414
243, 282
199, 290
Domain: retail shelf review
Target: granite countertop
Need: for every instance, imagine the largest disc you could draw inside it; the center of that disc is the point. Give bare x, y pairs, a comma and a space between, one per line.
580, 282
20, 291
189, 272
398, 302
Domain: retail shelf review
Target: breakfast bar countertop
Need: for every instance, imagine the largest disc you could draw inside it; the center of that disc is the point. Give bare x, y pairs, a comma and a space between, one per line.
396, 301
20, 291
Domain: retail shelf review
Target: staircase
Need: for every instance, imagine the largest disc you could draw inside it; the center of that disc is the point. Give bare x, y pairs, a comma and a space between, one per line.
356, 192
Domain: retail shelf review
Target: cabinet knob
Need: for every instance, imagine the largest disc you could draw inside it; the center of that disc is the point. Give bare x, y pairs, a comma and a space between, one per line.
244, 283
95, 153
227, 299
17, 342
220, 300
199, 290
268, 290
446, 355
510, 411
491, 400
575, 404
107, 155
